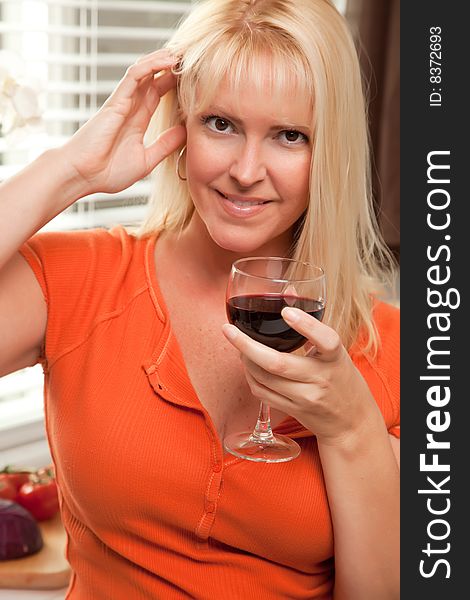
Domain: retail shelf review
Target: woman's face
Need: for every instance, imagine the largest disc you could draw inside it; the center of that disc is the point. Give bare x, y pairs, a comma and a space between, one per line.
248, 163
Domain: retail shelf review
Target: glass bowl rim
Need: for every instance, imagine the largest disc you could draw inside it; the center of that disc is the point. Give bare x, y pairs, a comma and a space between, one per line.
236, 268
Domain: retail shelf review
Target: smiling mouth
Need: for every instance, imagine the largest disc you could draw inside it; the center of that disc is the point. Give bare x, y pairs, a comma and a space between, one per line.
242, 203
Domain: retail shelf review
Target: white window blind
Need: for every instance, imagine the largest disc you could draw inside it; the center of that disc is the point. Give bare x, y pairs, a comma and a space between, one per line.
77, 50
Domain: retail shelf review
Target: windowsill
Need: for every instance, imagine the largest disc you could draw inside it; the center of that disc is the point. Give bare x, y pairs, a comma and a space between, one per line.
31, 455
20, 418
22, 432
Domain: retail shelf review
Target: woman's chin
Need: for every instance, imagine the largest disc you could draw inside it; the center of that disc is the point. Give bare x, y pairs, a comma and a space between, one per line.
232, 241
245, 243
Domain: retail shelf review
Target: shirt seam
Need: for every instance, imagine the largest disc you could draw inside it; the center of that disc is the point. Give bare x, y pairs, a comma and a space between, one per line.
98, 321
149, 264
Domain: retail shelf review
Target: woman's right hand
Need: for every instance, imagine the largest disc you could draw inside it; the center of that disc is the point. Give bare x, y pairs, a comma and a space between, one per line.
108, 154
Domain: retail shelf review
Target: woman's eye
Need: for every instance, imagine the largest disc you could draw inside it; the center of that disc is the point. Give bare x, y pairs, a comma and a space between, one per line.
293, 137
218, 124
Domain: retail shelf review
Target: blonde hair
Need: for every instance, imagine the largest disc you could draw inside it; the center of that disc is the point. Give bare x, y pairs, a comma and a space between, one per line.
309, 46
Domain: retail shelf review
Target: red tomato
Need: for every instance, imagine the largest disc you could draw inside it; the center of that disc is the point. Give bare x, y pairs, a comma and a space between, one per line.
15, 476
39, 496
7, 490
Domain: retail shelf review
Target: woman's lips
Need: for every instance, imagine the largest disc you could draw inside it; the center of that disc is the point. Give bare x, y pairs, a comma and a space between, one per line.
241, 206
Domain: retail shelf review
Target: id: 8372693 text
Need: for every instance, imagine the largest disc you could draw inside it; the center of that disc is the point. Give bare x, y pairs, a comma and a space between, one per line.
435, 66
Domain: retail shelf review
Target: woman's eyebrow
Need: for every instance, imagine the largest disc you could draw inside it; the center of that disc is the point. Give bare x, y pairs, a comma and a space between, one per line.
296, 126
284, 125
218, 110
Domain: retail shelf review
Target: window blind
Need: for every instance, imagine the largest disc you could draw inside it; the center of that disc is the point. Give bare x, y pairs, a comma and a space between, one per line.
77, 50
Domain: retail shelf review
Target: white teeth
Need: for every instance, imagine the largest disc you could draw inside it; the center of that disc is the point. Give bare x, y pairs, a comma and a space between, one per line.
244, 204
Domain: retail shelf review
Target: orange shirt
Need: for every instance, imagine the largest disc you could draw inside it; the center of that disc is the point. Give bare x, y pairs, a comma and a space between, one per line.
152, 506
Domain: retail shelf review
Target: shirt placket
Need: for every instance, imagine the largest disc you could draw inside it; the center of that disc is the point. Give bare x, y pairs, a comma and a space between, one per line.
171, 382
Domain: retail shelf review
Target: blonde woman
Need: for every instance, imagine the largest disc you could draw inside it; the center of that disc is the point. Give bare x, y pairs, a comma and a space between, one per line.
261, 147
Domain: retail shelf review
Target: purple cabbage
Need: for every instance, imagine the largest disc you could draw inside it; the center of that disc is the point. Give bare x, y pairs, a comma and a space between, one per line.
19, 532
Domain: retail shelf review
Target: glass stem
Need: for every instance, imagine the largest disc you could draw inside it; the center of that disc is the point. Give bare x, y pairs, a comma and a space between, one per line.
263, 432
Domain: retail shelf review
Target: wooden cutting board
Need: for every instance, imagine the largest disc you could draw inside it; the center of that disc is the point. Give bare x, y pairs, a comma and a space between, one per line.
46, 570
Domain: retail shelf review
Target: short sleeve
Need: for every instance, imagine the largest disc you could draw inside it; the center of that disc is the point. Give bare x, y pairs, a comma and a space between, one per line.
79, 273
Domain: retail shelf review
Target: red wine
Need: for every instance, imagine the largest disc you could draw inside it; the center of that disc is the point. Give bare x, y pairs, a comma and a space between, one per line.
259, 316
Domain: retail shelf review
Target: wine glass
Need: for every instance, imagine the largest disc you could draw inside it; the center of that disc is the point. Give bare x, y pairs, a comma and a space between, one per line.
257, 291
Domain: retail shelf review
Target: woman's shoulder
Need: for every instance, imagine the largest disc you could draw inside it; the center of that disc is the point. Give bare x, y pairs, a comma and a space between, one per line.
83, 239
381, 370
55, 252
93, 264
84, 276
386, 318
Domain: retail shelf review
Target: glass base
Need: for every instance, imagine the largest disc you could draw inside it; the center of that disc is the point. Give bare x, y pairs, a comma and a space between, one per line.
244, 445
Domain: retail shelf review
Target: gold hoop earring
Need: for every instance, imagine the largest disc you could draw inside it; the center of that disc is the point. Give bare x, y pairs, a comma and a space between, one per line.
180, 155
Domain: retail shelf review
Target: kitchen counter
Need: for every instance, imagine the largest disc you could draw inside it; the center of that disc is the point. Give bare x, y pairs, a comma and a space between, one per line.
41, 576
33, 594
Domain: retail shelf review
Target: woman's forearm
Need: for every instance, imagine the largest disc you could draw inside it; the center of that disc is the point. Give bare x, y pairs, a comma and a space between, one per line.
34, 196
362, 481
107, 154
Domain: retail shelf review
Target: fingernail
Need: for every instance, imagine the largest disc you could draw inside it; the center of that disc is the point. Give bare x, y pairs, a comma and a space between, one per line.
290, 314
230, 331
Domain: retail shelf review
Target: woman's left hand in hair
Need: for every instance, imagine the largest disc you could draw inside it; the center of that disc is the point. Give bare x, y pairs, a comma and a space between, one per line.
323, 390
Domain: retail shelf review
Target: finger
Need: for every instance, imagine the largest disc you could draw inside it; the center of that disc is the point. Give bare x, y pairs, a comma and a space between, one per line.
152, 63
326, 340
166, 143
277, 363
304, 373
158, 88
163, 82
160, 52
309, 349
137, 72
269, 396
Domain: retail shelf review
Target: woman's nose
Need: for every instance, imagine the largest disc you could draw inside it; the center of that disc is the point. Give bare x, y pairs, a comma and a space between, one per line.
248, 165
